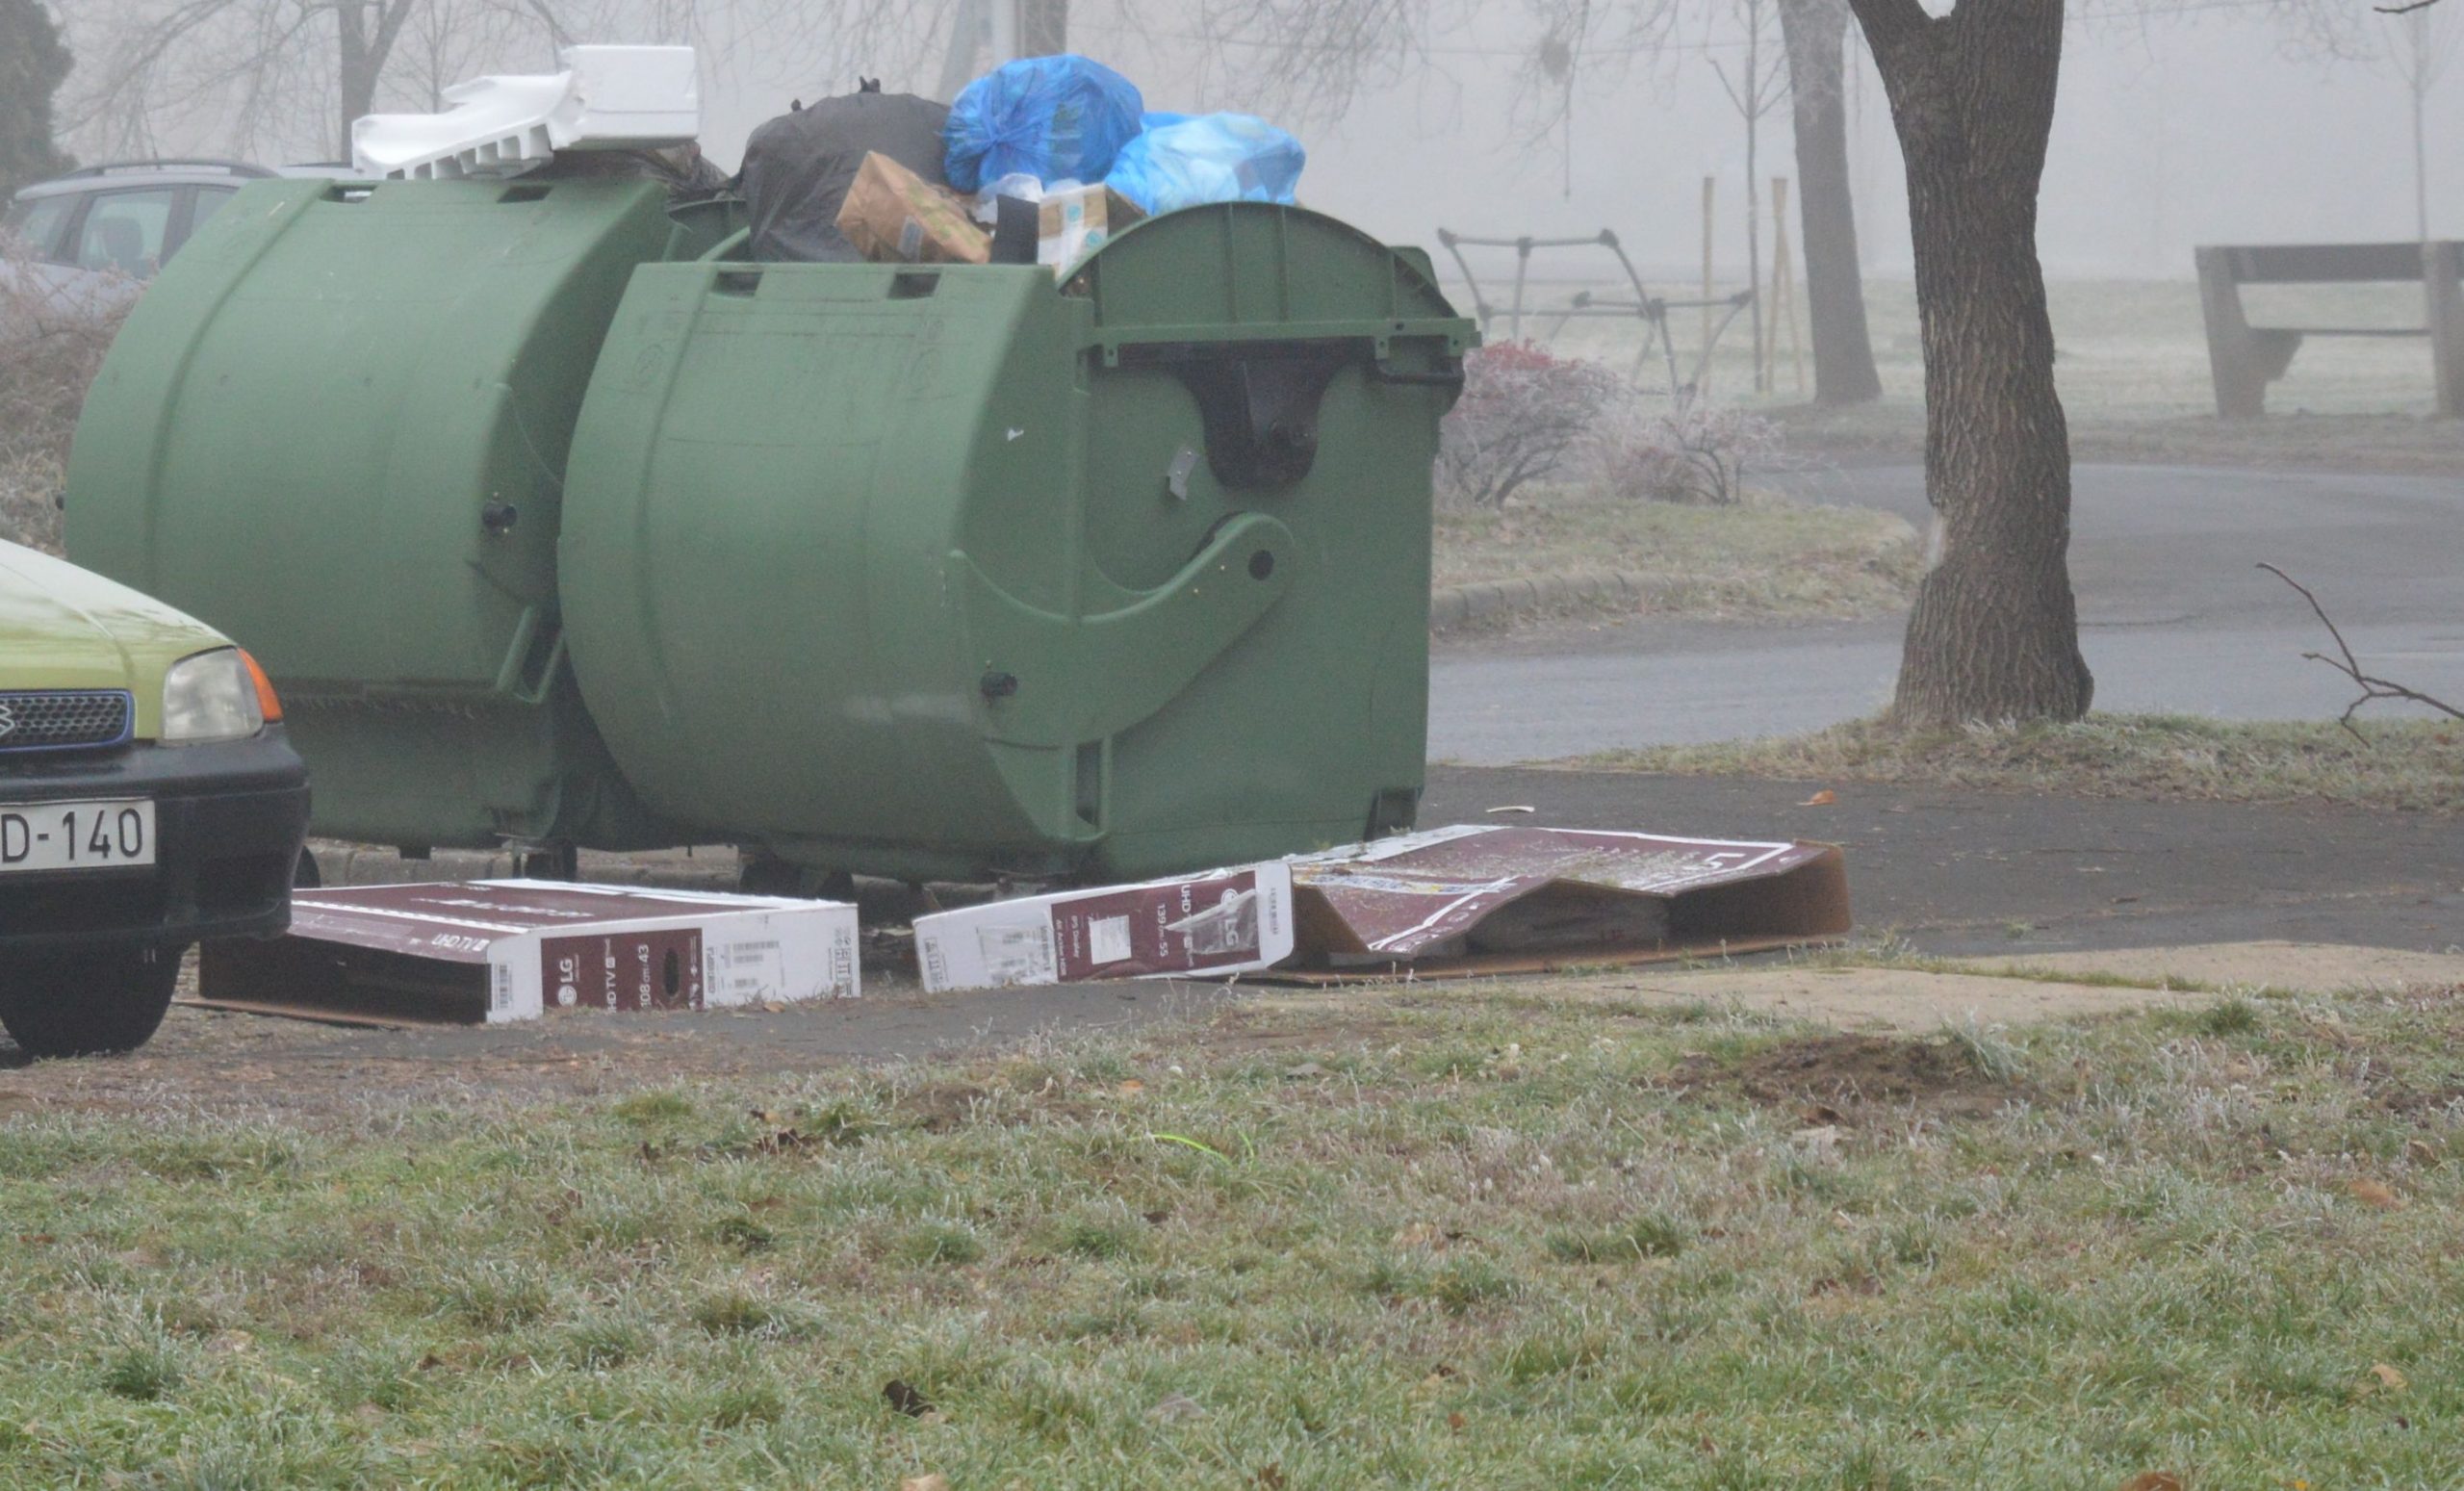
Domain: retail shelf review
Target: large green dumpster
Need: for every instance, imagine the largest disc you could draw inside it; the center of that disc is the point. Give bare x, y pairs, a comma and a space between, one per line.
336, 425
918, 571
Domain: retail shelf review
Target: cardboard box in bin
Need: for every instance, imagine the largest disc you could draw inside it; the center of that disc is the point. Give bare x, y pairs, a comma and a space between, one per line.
1196, 926
1075, 221
893, 216
475, 952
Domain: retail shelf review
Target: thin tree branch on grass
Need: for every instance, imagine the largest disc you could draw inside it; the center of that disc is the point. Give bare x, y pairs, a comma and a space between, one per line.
2351, 666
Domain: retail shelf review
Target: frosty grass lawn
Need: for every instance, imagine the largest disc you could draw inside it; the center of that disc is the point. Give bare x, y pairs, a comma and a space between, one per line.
1475, 1236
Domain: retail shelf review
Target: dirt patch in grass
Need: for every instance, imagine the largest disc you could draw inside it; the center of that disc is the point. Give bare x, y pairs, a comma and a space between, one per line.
2409, 766
938, 1107
1849, 1079
1764, 559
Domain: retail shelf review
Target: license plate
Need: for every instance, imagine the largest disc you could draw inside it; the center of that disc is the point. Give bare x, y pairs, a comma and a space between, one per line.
80, 836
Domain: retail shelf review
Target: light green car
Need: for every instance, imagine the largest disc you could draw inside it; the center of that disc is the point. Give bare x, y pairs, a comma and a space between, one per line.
148, 800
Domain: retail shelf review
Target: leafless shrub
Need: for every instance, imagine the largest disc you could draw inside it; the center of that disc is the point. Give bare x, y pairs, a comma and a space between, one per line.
1694, 452
1524, 416
2372, 687
51, 345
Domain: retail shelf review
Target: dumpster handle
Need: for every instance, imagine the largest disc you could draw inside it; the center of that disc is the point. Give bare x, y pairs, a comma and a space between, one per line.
1389, 372
726, 245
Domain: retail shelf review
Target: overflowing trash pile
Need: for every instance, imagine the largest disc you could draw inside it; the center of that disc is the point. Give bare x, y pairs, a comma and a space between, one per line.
1038, 162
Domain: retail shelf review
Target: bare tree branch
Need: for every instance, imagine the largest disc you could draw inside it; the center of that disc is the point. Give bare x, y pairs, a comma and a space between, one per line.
2372, 687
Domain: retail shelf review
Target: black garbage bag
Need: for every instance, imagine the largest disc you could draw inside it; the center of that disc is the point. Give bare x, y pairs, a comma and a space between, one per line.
798, 166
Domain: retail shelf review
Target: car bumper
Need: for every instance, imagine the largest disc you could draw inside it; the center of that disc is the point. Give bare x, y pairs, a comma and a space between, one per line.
228, 823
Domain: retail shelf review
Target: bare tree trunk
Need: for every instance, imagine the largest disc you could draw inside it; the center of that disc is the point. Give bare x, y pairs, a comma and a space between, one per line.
1995, 636
1752, 108
1044, 27
365, 32
1816, 33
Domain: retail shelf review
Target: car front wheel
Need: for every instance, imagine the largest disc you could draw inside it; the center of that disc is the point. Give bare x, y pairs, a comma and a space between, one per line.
90, 1002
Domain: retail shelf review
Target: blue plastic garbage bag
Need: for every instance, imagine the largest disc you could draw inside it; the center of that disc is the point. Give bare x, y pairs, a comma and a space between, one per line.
1055, 118
1210, 158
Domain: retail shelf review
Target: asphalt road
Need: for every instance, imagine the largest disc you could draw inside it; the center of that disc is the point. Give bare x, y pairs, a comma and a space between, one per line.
1963, 872
2174, 616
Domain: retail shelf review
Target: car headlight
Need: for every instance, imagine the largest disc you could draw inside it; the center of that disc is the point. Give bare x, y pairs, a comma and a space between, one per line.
212, 696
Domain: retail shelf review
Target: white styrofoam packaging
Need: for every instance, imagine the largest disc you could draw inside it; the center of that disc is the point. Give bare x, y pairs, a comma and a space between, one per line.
1236, 920
607, 98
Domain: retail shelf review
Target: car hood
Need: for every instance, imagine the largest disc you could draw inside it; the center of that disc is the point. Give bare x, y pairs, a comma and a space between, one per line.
62, 627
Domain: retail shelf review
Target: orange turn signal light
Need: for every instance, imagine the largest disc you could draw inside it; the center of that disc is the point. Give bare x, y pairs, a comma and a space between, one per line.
269, 704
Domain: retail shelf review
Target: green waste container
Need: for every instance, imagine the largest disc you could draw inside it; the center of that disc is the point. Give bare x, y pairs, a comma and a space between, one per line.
336, 425
918, 571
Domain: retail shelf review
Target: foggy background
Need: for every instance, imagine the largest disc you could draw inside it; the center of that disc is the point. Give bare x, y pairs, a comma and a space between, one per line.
2209, 123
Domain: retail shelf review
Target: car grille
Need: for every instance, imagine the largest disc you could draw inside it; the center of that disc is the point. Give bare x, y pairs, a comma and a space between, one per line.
64, 719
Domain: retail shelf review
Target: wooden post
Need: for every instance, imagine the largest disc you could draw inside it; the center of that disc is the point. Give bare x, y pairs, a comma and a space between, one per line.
2241, 358
1708, 182
1784, 289
2442, 268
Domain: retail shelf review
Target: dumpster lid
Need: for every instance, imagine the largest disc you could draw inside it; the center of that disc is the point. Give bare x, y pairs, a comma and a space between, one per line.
1257, 271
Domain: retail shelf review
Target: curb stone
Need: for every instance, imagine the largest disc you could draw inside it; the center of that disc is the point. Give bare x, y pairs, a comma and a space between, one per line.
1457, 606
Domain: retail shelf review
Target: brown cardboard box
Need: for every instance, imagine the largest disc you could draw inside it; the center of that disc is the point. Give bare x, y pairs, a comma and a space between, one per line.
1073, 224
893, 216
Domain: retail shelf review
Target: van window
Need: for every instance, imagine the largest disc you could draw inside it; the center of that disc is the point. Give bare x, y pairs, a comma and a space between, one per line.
124, 231
209, 201
34, 225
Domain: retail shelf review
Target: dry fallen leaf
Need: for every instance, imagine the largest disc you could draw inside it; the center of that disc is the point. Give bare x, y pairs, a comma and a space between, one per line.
1455, 1422
936, 1482
1822, 799
1176, 1406
2387, 1377
1821, 1140
2421, 1152
1133, 1085
1272, 1478
904, 1398
2153, 1480
2371, 1193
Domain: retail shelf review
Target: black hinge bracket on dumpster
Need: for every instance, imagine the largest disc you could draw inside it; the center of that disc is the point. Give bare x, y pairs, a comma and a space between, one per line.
1258, 396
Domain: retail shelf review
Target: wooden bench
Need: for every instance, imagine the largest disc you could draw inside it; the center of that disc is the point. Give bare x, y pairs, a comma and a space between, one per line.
2246, 358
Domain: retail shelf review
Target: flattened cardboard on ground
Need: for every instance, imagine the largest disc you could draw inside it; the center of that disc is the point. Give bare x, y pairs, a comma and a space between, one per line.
491, 951
1228, 921
892, 215
1485, 898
